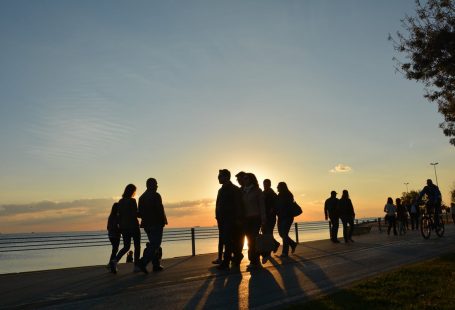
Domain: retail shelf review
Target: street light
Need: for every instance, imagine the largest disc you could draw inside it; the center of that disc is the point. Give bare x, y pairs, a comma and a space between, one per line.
406, 183
435, 175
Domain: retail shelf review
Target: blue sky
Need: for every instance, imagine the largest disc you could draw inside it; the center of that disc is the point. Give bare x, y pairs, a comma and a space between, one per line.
98, 94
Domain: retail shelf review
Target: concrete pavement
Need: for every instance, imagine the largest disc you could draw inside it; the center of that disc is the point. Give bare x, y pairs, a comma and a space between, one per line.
193, 282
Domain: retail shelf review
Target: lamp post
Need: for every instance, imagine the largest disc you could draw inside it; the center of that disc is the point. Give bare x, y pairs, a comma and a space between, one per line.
435, 175
406, 183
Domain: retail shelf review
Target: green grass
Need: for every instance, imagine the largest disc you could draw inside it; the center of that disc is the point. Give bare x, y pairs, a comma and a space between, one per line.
426, 285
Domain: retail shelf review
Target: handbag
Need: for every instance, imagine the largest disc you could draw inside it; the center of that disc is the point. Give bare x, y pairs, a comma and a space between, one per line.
296, 209
265, 243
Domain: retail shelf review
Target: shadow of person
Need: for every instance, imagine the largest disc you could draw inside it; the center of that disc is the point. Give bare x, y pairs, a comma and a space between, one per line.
263, 288
288, 275
223, 292
313, 272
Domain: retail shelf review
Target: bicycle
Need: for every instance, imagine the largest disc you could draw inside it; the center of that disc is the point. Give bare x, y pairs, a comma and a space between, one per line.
427, 224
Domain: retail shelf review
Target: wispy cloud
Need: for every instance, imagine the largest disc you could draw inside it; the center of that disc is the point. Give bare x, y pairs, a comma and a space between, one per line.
341, 168
76, 126
90, 214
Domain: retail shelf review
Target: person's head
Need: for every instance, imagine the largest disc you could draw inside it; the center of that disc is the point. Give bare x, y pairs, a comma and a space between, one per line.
130, 191
152, 184
390, 200
250, 179
429, 182
240, 178
224, 176
267, 184
282, 188
333, 194
345, 194
398, 201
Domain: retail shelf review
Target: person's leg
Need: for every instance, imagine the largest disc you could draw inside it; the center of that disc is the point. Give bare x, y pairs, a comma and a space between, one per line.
238, 235
228, 241
137, 245
155, 235
282, 233
394, 222
126, 245
344, 221
220, 242
335, 225
351, 228
115, 242
291, 242
252, 230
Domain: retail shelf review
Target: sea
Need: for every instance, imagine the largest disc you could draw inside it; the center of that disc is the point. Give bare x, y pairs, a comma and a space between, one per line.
45, 251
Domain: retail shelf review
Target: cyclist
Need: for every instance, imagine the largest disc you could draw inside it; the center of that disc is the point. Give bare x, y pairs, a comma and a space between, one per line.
434, 200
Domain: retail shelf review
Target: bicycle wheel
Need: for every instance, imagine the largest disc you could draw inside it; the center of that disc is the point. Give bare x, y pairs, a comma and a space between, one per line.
440, 228
425, 227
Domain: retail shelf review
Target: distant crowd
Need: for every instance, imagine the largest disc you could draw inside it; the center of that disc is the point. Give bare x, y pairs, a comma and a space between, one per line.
244, 211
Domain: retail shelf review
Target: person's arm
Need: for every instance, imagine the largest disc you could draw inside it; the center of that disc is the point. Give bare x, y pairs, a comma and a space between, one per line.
352, 208
325, 210
161, 206
262, 208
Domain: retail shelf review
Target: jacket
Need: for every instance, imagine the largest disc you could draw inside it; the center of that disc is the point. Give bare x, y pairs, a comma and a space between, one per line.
151, 210
127, 212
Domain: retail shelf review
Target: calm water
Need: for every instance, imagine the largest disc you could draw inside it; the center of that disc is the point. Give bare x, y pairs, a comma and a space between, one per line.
99, 250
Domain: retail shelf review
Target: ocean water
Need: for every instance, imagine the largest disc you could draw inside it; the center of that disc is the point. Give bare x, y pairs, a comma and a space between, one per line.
44, 251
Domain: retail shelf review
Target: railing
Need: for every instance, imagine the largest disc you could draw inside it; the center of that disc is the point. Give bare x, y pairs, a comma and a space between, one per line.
33, 242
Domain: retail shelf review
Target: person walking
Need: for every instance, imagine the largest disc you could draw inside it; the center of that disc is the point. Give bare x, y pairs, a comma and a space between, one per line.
391, 216
414, 213
255, 217
402, 216
129, 226
113, 231
331, 212
151, 211
239, 231
285, 218
347, 215
270, 198
228, 202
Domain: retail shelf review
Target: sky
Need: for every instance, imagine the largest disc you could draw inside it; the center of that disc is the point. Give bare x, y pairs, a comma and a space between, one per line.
98, 94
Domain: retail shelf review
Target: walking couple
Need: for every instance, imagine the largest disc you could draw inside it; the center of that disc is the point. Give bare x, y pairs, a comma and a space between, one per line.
124, 220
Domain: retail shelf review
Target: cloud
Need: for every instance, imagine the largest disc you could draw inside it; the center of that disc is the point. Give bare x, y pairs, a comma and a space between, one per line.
91, 214
341, 168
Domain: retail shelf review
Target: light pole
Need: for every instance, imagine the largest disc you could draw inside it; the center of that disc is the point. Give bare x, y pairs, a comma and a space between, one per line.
435, 175
406, 183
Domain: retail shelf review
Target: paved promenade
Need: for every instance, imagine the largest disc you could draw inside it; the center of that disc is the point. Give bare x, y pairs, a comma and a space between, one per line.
193, 282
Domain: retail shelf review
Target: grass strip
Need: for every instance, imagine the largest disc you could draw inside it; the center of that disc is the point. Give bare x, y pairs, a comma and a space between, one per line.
424, 285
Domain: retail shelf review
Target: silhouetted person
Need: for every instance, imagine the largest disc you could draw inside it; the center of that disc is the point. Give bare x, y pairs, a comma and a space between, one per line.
113, 231
402, 216
270, 199
284, 203
239, 233
221, 245
434, 200
452, 210
129, 226
129, 257
347, 216
331, 211
414, 212
151, 211
253, 201
391, 216
228, 203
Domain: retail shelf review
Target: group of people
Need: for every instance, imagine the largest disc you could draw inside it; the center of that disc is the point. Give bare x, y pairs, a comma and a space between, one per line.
340, 209
123, 222
399, 213
245, 210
